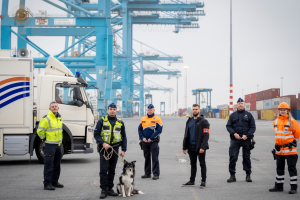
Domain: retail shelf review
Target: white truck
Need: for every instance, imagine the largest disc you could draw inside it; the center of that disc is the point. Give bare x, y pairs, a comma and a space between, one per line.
20, 115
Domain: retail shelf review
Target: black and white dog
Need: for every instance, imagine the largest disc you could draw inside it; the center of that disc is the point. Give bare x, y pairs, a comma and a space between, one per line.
126, 185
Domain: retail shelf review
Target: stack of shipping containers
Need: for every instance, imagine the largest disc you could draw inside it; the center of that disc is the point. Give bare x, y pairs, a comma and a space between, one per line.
264, 104
296, 107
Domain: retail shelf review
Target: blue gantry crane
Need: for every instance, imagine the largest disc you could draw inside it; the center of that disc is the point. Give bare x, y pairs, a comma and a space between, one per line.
91, 27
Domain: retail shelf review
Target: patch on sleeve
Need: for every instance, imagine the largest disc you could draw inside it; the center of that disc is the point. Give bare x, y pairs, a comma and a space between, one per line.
205, 130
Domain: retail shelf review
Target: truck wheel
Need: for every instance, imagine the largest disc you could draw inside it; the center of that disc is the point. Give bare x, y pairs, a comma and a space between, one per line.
39, 150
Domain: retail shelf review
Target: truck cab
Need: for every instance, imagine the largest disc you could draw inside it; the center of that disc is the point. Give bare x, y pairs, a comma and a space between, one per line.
57, 84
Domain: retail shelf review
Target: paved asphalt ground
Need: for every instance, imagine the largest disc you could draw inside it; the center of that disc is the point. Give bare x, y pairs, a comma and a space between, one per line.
21, 179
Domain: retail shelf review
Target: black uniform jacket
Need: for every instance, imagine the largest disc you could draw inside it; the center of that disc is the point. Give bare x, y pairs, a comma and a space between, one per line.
201, 131
242, 123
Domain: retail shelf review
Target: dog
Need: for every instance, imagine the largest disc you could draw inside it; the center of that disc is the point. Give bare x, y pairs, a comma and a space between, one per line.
126, 185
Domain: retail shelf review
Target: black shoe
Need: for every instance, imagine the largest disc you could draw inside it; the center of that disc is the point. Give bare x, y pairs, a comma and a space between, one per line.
292, 191
103, 194
231, 179
49, 187
111, 192
58, 185
274, 189
155, 177
146, 176
188, 184
248, 178
203, 184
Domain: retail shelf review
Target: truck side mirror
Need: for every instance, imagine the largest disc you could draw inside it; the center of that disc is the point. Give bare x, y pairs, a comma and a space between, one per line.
78, 97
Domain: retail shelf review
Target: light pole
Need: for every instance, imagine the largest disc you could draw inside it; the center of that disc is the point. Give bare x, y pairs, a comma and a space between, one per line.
281, 86
185, 87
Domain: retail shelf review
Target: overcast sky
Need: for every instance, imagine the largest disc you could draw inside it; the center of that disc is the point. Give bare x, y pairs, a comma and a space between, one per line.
266, 47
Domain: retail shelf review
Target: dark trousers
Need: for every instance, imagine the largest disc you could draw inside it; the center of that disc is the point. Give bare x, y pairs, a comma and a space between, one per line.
291, 162
234, 150
151, 149
107, 169
53, 155
193, 154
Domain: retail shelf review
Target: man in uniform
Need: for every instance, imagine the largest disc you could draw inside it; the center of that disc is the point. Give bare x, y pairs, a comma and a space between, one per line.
149, 130
50, 130
110, 135
241, 127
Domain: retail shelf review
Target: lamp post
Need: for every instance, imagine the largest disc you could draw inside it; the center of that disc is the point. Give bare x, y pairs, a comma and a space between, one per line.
185, 86
281, 86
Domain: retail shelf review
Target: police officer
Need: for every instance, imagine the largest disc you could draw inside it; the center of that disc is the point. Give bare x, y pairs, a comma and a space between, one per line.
149, 130
50, 130
110, 135
241, 127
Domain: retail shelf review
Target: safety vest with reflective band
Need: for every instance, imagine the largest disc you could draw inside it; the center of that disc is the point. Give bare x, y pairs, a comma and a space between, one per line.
284, 134
107, 131
50, 127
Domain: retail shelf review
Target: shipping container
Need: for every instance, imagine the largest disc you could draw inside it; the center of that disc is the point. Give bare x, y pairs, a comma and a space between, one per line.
292, 97
223, 107
263, 115
250, 97
286, 100
268, 104
217, 115
271, 93
296, 114
270, 115
276, 102
216, 110
259, 105
295, 105
260, 96
225, 114
253, 105
258, 114
254, 114
247, 106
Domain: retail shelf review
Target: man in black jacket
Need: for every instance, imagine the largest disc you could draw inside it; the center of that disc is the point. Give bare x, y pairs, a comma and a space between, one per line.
241, 127
195, 142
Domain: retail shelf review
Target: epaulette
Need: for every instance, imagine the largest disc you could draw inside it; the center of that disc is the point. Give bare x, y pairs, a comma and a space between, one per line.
44, 116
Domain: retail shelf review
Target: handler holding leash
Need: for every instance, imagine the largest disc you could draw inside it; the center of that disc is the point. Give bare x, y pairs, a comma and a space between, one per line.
109, 135
149, 130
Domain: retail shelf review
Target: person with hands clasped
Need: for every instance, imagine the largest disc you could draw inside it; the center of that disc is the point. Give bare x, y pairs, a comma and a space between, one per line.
286, 138
195, 143
149, 130
241, 127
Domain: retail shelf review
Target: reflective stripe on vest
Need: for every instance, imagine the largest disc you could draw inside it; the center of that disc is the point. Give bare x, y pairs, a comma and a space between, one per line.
287, 134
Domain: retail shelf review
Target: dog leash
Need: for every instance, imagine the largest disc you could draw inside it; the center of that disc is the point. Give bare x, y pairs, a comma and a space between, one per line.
109, 155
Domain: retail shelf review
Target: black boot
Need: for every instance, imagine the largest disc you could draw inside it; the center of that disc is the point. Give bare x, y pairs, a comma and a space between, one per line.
248, 178
103, 194
155, 177
49, 187
292, 191
111, 192
146, 176
275, 189
232, 178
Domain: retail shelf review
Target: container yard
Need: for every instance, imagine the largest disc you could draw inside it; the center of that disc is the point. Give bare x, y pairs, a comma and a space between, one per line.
105, 99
